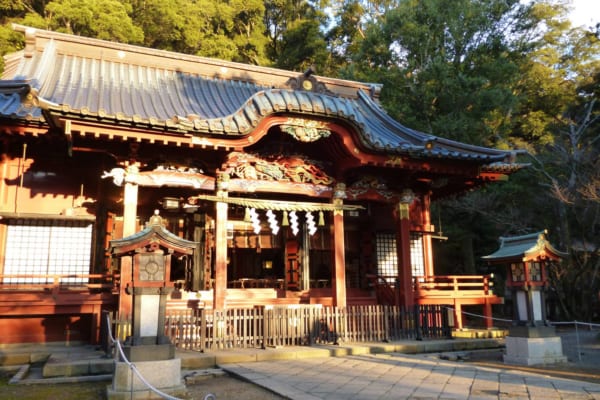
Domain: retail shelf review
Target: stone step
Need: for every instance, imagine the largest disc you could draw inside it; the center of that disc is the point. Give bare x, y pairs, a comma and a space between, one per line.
480, 333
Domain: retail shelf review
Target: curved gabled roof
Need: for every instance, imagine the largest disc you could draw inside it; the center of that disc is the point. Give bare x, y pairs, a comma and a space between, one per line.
525, 248
155, 234
110, 83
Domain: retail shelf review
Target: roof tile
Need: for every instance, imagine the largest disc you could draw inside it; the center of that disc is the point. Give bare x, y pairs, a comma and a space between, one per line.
151, 87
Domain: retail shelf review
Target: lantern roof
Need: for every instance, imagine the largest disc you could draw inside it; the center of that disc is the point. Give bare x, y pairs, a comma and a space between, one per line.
530, 247
155, 234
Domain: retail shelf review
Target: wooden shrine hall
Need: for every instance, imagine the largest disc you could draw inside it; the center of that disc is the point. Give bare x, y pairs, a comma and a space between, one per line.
296, 188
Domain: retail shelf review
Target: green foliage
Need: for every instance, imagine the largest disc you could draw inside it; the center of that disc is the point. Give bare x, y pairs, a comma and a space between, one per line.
447, 67
102, 19
313, 50
296, 35
231, 30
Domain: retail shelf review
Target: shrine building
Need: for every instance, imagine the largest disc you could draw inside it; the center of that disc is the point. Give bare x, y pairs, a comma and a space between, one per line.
296, 188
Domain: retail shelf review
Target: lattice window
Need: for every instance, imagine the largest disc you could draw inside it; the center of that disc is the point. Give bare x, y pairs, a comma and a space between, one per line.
387, 256
47, 247
417, 261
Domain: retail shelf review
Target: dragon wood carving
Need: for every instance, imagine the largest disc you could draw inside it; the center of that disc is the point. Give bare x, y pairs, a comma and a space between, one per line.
295, 169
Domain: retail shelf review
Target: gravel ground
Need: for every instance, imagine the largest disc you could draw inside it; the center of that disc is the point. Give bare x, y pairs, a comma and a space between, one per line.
223, 387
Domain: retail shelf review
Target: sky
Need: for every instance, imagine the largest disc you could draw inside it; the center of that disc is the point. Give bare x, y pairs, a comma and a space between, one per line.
585, 12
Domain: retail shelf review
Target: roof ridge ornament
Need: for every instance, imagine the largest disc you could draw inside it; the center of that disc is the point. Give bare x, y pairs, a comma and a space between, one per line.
308, 82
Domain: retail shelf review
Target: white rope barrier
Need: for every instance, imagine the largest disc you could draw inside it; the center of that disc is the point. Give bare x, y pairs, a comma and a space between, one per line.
481, 316
133, 368
589, 324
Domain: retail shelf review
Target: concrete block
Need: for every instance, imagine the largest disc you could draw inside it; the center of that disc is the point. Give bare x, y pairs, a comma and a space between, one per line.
233, 357
73, 368
312, 352
160, 374
14, 358
38, 357
533, 351
100, 367
413, 348
198, 362
150, 352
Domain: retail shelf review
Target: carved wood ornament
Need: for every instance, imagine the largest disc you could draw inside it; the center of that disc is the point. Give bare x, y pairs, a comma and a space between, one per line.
295, 169
305, 130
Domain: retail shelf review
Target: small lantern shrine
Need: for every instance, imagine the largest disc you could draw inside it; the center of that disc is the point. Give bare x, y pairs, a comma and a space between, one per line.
145, 265
531, 339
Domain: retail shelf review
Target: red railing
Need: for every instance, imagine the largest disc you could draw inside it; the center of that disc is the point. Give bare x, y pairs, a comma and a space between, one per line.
57, 282
454, 285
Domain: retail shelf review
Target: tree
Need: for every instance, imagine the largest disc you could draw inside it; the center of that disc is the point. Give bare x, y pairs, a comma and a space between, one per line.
102, 19
560, 125
447, 67
346, 34
295, 29
230, 30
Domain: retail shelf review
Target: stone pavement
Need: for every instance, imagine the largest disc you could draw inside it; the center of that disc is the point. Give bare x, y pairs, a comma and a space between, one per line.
401, 376
396, 370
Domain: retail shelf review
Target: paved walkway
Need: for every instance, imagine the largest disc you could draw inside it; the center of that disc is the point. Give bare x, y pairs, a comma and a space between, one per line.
398, 370
401, 376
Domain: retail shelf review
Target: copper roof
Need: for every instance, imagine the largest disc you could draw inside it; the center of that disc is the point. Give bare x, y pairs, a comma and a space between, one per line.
524, 248
123, 85
154, 233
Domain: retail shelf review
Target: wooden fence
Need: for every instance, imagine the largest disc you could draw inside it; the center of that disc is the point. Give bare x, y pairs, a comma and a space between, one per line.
261, 327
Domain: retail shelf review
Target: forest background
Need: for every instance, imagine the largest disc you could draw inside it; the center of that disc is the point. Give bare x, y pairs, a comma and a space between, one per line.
497, 73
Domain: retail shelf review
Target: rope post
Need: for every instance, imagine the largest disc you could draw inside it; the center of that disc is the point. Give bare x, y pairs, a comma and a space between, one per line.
577, 339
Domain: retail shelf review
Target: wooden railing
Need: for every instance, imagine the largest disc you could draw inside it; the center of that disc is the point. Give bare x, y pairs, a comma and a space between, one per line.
454, 285
386, 291
262, 327
58, 282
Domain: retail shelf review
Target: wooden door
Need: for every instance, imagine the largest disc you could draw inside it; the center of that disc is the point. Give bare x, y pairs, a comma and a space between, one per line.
292, 272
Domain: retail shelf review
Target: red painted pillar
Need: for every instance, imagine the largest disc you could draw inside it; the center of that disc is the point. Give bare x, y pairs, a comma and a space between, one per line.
339, 256
487, 312
427, 246
403, 250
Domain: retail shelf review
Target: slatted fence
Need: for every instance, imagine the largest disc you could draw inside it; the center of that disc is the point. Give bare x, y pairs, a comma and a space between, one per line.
260, 327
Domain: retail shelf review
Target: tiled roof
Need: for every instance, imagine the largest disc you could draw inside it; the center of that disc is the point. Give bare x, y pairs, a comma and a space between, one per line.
117, 84
154, 230
524, 246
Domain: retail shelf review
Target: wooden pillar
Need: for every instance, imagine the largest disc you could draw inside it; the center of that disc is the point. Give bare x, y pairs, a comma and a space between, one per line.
126, 287
487, 313
458, 322
403, 251
427, 246
95, 325
130, 201
220, 287
339, 258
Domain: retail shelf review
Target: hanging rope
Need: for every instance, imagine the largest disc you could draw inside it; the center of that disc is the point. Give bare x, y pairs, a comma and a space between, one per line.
277, 205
